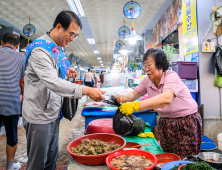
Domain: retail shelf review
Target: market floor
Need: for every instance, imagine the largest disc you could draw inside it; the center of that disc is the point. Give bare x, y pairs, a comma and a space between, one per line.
68, 131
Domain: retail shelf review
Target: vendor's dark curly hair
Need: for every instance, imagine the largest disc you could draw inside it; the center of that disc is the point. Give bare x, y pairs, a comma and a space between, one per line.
159, 57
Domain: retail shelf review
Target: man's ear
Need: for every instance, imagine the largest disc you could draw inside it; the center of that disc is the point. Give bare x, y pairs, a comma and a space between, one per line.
16, 46
59, 27
2, 43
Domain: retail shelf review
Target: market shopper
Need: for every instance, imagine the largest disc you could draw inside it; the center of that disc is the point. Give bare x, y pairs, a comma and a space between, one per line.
88, 78
44, 89
101, 79
11, 74
180, 125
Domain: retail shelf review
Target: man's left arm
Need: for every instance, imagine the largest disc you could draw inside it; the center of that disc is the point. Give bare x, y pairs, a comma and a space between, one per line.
22, 85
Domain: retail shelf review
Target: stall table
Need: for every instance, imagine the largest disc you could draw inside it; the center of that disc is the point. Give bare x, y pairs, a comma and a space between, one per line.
91, 114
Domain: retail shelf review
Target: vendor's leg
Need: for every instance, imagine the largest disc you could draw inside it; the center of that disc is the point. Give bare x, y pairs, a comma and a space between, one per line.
181, 136
164, 134
53, 149
191, 135
39, 139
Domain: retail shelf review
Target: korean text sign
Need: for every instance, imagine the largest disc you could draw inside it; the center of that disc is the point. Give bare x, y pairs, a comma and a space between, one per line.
190, 30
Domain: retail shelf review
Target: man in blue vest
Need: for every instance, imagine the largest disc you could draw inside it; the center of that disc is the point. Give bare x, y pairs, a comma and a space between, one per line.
44, 89
11, 71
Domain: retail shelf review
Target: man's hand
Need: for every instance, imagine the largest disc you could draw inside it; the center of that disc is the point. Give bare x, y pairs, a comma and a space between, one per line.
71, 73
94, 93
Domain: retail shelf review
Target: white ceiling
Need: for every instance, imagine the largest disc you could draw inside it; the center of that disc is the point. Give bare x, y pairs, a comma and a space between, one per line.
104, 17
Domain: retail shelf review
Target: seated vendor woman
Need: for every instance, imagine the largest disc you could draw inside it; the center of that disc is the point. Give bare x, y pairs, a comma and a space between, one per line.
180, 124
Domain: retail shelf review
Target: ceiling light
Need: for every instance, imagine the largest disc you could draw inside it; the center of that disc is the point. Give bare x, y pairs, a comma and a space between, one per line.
124, 50
133, 37
76, 7
100, 62
91, 40
96, 52
99, 58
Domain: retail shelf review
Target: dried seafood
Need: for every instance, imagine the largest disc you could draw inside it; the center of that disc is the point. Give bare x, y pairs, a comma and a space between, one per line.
94, 147
131, 162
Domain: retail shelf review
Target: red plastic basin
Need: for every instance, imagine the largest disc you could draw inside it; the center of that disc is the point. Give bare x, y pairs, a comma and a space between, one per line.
131, 144
132, 152
79, 81
181, 167
95, 159
100, 126
164, 158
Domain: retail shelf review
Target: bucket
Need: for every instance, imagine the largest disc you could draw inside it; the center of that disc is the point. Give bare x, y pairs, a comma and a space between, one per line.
219, 138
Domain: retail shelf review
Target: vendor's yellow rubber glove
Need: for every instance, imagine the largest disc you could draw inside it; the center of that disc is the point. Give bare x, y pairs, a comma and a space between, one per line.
146, 134
129, 107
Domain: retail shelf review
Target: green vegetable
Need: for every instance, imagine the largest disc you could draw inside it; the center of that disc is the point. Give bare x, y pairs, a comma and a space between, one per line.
169, 50
198, 166
176, 167
139, 126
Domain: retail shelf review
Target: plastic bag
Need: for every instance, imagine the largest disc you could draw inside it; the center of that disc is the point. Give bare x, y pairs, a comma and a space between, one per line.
217, 60
218, 81
122, 124
69, 107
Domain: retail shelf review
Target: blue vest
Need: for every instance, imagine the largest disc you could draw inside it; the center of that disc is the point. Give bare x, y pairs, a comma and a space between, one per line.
55, 51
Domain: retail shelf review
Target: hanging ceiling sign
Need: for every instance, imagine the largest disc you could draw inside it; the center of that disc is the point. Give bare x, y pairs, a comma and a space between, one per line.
116, 50
29, 30
119, 43
132, 10
123, 31
115, 55
72, 56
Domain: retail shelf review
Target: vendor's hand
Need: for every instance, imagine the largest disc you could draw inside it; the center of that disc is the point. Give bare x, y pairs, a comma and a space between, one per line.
71, 73
118, 98
129, 107
94, 93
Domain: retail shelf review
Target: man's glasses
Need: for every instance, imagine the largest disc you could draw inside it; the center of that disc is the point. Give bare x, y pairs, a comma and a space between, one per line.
72, 35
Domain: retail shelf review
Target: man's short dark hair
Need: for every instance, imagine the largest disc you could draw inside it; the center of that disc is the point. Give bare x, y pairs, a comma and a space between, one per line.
65, 18
12, 39
88, 69
159, 57
102, 72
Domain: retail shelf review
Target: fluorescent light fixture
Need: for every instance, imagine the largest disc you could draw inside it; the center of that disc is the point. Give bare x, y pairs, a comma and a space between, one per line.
91, 40
76, 7
96, 52
99, 58
100, 62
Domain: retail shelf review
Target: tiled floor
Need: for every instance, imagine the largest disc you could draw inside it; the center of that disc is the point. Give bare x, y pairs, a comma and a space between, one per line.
69, 130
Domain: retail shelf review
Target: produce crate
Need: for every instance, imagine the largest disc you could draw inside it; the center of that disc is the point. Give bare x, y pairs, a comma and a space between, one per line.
185, 70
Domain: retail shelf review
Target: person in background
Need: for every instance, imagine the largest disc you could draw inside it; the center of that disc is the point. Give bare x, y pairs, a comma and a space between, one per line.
88, 78
101, 79
12, 81
95, 78
44, 89
180, 124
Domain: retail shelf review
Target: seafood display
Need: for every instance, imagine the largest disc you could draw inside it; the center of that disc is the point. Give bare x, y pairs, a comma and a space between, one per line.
94, 147
131, 162
210, 160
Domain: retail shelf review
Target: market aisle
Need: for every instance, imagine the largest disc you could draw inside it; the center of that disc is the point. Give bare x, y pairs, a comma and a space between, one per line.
69, 130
